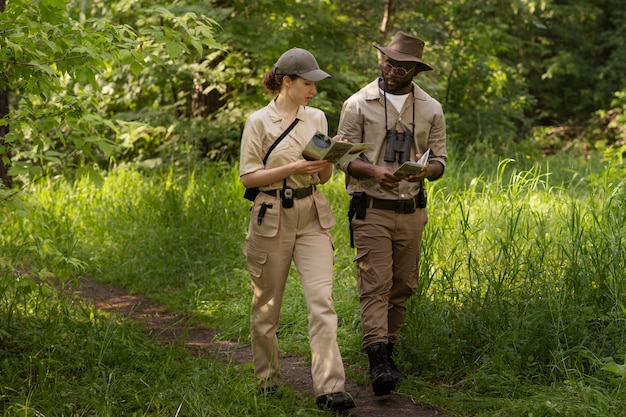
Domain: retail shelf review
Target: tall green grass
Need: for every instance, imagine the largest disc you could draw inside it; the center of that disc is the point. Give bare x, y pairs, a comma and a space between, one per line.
523, 285
520, 309
165, 235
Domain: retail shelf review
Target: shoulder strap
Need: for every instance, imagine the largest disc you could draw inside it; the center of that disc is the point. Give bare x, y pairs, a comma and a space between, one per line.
281, 137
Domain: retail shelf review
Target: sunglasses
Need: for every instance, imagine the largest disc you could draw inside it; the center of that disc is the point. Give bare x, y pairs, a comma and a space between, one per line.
400, 71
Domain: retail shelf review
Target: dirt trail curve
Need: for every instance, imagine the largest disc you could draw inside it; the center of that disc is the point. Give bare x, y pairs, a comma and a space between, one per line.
169, 327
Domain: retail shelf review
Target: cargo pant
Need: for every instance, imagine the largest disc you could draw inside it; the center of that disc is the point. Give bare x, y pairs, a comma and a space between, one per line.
387, 269
301, 234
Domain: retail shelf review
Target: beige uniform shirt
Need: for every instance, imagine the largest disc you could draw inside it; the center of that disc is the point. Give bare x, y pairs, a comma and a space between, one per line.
263, 127
363, 120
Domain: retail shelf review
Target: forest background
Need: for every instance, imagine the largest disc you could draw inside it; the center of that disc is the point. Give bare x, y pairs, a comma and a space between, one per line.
127, 107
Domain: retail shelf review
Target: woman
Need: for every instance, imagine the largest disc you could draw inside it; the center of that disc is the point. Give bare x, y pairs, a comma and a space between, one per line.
291, 220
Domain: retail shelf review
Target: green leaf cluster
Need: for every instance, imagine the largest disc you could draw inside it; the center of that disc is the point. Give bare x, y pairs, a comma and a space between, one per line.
63, 70
127, 81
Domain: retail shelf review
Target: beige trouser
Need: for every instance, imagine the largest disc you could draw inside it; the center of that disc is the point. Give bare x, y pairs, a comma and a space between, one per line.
286, 234
387, 260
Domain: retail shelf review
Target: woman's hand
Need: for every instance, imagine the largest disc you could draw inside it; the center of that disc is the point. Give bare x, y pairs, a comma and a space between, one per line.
302, 166
266, 176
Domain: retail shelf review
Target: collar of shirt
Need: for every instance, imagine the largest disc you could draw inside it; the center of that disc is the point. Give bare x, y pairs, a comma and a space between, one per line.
275, 116
372, 92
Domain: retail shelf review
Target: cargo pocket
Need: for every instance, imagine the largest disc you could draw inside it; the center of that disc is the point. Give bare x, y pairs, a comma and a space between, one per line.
365, 274
361, 260
324, 211
257, 259
269, 219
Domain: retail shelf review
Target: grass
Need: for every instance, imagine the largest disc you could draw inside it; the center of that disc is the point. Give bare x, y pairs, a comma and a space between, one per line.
520, 309
60, 358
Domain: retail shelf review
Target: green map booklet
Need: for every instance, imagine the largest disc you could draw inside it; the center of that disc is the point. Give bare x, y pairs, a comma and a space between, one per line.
323, 147
412, 168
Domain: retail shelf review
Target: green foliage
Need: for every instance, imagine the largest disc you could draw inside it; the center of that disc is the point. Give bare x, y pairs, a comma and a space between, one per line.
482, 87
533, 285
127, 81
521, 300
184, 222
582, 49
57, 69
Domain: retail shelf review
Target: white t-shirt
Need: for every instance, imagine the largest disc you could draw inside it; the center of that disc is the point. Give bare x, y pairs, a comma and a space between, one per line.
396, 100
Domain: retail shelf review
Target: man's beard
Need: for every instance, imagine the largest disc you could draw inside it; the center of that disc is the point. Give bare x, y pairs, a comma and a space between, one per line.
396, 85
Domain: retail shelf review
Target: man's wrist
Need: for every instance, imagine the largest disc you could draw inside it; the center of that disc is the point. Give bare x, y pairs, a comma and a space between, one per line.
436, 172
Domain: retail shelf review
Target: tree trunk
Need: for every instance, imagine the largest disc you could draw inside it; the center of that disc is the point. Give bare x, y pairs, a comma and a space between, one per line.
384, 24
5, 156
204, 104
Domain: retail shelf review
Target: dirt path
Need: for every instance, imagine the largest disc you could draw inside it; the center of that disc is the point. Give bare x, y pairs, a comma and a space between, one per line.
171, 328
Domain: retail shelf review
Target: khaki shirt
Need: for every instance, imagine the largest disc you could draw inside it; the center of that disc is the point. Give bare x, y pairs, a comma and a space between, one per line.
363, 120
263, 127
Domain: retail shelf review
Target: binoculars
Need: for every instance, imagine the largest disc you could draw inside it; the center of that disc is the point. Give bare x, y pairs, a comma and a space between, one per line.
398, 144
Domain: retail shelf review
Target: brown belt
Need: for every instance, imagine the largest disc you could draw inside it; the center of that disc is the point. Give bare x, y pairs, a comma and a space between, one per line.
399, 206
297, 193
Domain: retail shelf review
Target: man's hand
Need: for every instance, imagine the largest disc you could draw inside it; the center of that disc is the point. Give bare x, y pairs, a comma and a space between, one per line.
419, 176
384, 176
422, 174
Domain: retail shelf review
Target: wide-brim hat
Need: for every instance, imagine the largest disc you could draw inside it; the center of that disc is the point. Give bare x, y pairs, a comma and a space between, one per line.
405, 48
300, 62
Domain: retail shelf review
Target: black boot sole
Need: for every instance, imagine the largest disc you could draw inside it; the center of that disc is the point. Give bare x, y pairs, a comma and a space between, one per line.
397, 376
383, 385
335, 402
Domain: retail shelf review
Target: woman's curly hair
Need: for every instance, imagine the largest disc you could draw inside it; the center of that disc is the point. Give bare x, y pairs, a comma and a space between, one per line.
273, 81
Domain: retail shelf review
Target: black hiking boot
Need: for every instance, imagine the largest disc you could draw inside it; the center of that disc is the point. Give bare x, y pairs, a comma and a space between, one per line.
336, 401
382, 380
395, 372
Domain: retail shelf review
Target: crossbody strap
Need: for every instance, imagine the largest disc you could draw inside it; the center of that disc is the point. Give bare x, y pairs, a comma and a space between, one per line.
281, 137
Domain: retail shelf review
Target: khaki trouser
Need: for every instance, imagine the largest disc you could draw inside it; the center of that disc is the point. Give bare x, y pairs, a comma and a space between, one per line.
285, 235
387, 269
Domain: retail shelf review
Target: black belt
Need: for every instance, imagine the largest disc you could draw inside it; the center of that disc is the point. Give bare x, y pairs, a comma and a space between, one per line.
297, 193
399, 206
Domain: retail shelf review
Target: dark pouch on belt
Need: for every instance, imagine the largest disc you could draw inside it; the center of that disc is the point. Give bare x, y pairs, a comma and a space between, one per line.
422, 199
287, 197
358, 205
251, 193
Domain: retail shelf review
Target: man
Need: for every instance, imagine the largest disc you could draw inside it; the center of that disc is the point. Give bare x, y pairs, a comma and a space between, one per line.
388, 214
